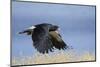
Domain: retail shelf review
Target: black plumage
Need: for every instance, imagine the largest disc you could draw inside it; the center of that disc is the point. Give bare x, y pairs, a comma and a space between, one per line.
45, 38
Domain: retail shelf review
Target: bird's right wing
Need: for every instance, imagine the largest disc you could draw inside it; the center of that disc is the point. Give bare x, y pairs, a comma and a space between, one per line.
41, 41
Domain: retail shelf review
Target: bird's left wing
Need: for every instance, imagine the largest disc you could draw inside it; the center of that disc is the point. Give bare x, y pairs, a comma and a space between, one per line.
57, 40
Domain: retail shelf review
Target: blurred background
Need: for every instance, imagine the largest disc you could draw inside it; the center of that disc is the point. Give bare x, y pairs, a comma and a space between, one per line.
76, 22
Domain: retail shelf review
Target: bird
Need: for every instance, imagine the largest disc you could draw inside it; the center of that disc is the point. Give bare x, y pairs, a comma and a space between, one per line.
45, 37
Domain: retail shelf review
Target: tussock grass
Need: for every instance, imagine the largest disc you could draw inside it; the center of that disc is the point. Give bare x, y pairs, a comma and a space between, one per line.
55, 57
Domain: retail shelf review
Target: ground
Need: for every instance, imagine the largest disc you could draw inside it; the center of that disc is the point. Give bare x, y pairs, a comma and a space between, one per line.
55, 57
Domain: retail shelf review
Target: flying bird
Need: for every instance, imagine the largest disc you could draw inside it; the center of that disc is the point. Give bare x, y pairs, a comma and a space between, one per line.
45, 37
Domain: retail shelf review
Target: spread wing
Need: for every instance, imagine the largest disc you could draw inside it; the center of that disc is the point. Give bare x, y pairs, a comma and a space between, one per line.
42, 41
57, 40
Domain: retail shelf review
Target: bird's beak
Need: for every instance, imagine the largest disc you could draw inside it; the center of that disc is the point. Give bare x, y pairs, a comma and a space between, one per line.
28, 31
22, 32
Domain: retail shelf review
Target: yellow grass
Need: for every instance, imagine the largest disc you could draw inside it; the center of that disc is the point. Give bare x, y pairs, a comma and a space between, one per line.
55, 57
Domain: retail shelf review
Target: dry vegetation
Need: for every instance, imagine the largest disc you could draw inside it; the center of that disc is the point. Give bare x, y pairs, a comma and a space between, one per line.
55, 57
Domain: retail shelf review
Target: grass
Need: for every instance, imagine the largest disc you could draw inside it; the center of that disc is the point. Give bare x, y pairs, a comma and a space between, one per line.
55, 57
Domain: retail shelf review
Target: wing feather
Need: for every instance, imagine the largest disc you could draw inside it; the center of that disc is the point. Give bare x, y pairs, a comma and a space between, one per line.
57, 40
42, 41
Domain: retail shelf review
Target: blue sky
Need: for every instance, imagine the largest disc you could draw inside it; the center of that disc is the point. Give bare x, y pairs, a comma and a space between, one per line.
77, 25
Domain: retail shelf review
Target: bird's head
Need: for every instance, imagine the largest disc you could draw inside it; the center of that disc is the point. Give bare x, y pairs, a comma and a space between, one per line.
28, 31
50, 27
